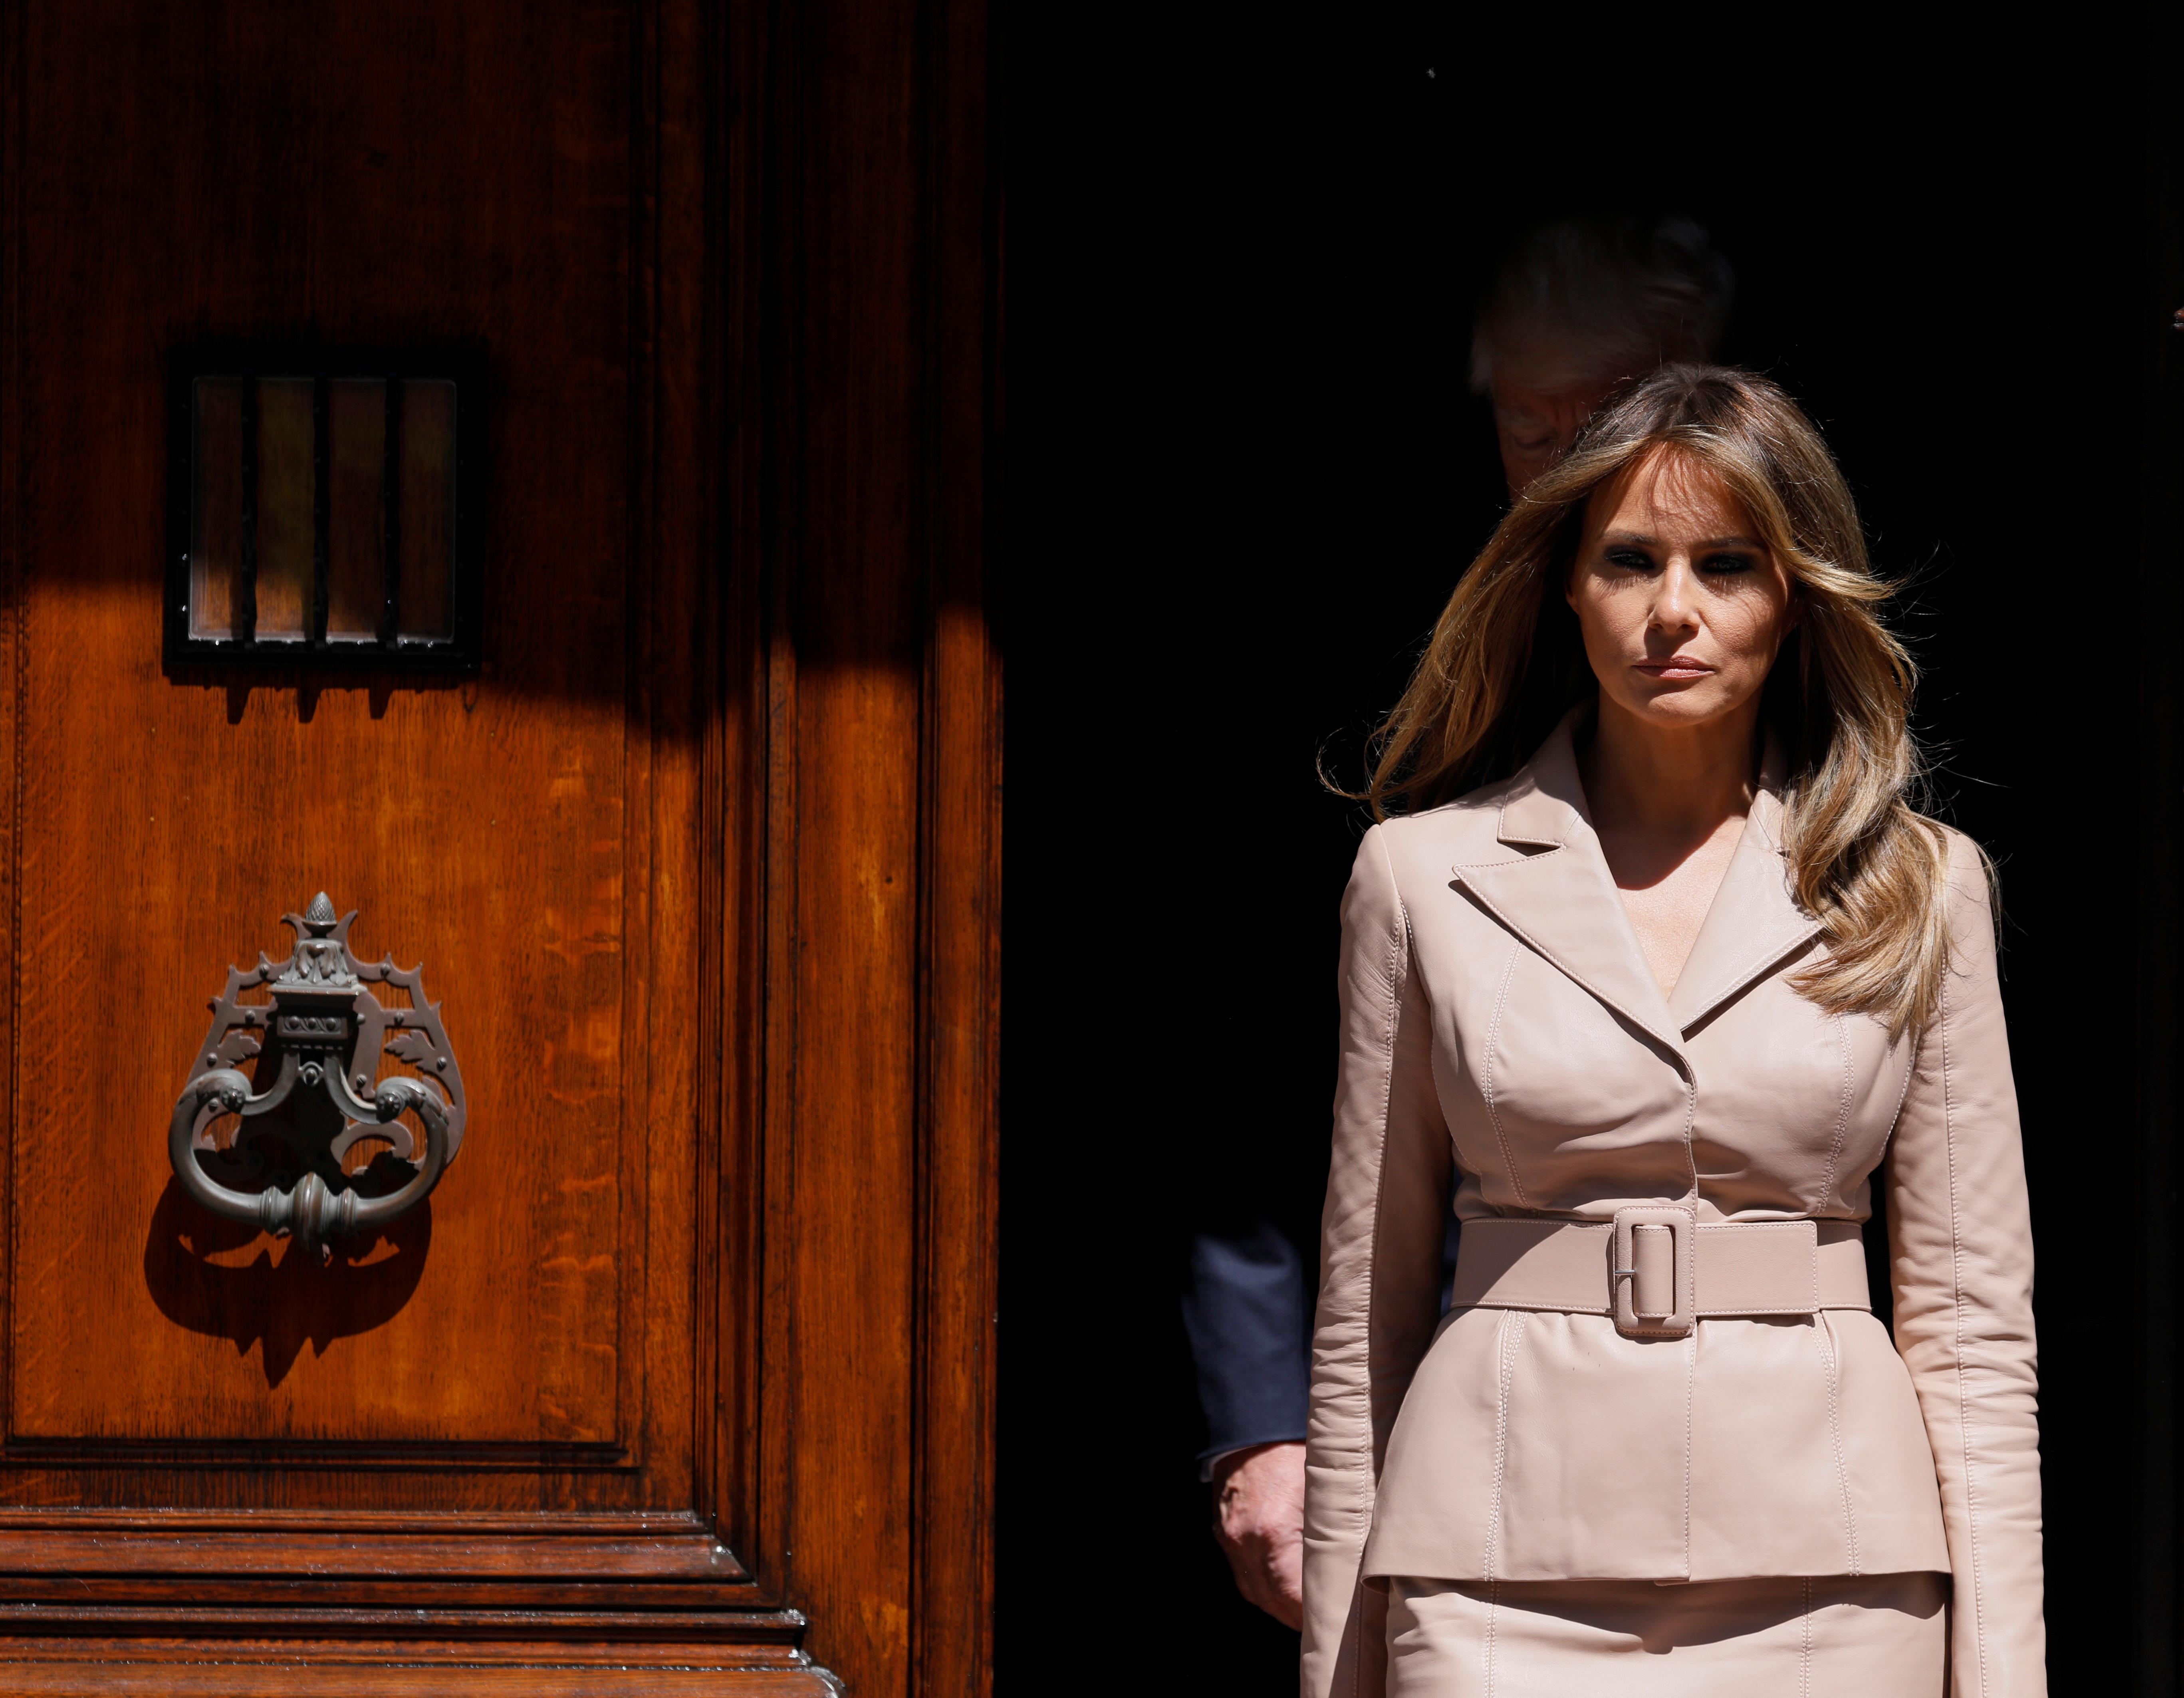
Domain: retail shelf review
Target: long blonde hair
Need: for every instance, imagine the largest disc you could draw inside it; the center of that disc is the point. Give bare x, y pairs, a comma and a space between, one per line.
1505, 662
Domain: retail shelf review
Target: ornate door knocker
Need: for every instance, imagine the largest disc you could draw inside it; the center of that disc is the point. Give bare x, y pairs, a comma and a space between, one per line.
326, 1032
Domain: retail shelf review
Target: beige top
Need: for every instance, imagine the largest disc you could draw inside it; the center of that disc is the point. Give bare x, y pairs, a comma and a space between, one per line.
1504, 1042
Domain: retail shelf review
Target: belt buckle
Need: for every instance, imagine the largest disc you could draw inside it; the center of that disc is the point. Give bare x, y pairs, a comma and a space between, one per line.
1652, 1322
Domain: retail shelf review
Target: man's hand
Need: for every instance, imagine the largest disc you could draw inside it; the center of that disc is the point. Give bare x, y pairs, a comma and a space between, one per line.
1259, 1518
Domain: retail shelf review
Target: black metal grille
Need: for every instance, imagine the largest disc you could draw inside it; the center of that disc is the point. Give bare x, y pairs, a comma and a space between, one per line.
323, 509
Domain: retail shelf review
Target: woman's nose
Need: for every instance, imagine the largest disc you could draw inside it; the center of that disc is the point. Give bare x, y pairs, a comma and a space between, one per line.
1673, 603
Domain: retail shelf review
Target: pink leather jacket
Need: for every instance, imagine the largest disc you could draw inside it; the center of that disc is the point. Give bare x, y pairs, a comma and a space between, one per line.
1504, 1044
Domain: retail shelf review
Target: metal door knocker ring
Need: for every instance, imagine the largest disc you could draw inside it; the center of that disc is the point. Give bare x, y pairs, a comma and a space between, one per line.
326, 1032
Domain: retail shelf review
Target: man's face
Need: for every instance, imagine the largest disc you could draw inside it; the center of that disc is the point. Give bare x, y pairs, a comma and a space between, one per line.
1536, 427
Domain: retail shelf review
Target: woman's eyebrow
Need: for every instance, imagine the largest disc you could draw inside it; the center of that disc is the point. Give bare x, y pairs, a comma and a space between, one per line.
1639, 539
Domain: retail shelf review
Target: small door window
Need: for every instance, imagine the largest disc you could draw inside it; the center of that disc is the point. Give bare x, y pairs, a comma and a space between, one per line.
324, 510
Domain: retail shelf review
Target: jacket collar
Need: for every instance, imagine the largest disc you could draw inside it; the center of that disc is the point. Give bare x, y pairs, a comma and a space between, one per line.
1755, 923
1562, 901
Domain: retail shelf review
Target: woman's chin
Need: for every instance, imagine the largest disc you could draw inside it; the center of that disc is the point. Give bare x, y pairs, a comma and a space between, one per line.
1682, 706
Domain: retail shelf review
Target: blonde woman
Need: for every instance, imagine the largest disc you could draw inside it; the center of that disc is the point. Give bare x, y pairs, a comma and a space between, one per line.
1653, 976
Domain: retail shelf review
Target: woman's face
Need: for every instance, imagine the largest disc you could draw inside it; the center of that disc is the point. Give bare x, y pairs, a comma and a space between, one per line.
1682, 605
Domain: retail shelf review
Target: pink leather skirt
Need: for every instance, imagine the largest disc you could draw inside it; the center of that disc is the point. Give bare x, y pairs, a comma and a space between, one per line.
1875, 1636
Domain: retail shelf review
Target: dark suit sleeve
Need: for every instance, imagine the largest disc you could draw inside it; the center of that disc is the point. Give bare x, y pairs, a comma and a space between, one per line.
1247, 1312
1246, 1307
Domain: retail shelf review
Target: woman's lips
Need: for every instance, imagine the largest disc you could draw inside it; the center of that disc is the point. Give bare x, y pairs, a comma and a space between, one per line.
1675, 667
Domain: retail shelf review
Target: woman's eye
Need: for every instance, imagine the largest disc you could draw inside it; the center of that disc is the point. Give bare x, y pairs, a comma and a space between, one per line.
1726, 562
1630, 559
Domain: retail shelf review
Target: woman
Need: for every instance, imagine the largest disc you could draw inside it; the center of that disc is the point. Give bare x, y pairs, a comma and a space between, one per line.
1652, 1006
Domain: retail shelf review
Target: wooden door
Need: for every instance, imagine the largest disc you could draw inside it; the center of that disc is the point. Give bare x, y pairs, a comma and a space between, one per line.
681, 1378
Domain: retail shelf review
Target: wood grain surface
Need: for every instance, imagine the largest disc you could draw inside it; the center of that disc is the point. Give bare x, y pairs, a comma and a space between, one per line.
240, 192
385, 1672
686, 1367
868, 358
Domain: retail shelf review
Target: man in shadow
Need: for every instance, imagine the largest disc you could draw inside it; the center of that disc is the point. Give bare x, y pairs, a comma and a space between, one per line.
1575, 307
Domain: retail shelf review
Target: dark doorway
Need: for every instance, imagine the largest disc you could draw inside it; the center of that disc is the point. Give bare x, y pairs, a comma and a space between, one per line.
1246, 472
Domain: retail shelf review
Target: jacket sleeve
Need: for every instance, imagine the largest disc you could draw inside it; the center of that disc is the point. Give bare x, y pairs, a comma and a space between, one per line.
1245, 1310
1960, 1250
1380, 1268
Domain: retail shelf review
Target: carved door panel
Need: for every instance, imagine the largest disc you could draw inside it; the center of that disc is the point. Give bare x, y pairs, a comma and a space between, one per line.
545, 1429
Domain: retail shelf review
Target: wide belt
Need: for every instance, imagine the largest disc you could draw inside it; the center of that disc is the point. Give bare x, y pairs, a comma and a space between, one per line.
1659, 1269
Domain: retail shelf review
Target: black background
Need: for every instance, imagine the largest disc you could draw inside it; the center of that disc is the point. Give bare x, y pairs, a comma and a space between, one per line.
1244, 470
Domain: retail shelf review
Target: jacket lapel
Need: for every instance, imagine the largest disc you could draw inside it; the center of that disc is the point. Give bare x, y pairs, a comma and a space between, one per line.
1561, 899
1755, 921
